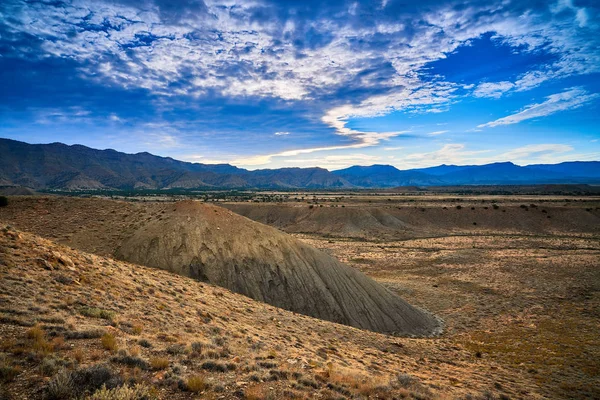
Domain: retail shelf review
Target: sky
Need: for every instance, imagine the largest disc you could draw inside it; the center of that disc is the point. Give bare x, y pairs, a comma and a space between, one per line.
303, 83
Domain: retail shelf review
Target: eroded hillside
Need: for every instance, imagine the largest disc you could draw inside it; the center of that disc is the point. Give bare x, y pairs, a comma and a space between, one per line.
213, 244
72, 322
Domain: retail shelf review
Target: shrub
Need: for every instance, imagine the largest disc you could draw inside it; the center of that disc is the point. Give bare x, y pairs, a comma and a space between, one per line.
197, 347
404, 380
159, 362
67, 385
175, 349
39, 343
8, 373
308, 383
254, 392
35, 333
89, 334
3, 201
78, 355
131, 361
61, 387
196, 383
98, 313
137, 329
48, 366
137, 392
214, 366
109, 342
145, 343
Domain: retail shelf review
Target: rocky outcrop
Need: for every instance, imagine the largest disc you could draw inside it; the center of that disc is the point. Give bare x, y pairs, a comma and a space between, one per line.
215, 245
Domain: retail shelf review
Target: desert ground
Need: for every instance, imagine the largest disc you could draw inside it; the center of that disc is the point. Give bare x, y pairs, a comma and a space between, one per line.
515, 278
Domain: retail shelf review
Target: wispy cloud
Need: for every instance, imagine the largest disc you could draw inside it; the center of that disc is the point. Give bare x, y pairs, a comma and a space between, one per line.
568, 100
333, 162
436, 133
492, 89
460, 154
281, 133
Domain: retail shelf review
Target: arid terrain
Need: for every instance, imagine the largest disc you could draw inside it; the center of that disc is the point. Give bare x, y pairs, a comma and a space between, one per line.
516, 280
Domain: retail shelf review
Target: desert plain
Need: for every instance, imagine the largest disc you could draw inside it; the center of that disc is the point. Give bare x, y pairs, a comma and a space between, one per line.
515, 278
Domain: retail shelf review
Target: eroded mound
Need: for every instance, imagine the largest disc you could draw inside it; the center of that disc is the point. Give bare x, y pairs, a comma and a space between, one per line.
215, 245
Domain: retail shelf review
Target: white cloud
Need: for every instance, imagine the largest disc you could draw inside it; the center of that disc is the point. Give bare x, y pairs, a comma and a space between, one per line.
492, 89
448, 154
333, 162
436, 133
535, 150
227, 52
263, 54
568, 100
281, 133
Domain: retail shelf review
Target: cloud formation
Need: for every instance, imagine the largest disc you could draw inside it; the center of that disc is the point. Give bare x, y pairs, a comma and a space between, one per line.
568, 100
223, 73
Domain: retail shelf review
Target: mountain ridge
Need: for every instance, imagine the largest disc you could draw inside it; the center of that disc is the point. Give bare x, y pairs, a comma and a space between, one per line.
57, 166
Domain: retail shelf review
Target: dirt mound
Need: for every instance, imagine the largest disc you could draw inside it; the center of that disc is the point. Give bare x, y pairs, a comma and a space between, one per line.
411, 221
217, 246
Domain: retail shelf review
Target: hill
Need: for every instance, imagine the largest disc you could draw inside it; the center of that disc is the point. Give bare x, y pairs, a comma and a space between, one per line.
71, 322
215, 245
424, 218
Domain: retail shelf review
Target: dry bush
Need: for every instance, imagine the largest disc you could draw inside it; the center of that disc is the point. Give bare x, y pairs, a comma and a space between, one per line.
35, 333
137, 329
61, 386
109, 342
8, 372
137, 392
39, 344
254, 392
135, 351
196, 383
159, 362
94, 312
78, 355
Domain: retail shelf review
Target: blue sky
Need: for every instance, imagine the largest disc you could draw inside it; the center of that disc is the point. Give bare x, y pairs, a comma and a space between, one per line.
269, 84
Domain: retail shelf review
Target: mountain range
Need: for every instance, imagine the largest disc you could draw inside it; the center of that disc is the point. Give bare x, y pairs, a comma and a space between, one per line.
76, 167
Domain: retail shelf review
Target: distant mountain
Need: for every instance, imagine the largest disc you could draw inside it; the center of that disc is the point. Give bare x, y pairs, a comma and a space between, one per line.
441, 169
499, 173
588, 169
58, 166
385, 176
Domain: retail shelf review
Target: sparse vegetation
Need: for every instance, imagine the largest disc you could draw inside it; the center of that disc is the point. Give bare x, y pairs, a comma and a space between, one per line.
225, 339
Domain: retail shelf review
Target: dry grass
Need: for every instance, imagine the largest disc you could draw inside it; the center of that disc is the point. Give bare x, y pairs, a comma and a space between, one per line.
196, 383
159, 363
109, 342
255, 392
